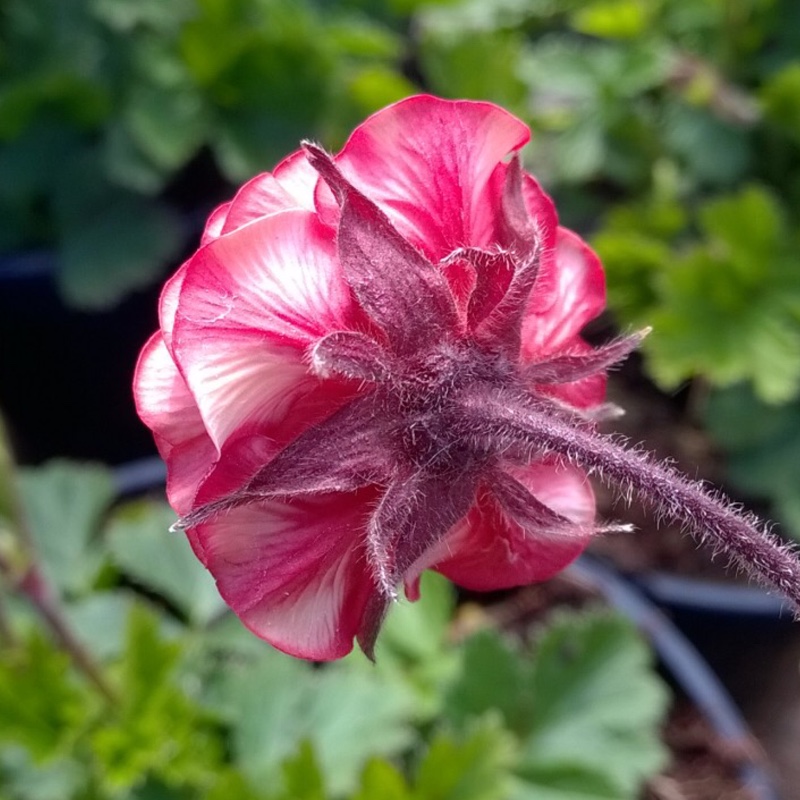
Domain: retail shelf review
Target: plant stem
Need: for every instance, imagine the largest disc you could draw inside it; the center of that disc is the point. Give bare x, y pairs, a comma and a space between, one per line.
711, 517
7, 636
41, 594
24, 575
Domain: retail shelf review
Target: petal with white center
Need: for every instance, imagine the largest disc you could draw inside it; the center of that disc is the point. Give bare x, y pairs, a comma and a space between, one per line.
290, 186
250, 305
167, 407
214, 223
554, 318
295, 573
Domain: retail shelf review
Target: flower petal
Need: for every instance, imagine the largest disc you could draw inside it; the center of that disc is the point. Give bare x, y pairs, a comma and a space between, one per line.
168, 305
295, 573
250, 305
167, 407
489, 550
554, 318
290, 186
214, 223
427, 163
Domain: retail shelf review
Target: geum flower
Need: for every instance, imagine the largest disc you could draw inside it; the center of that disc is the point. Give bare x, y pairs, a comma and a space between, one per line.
373, 366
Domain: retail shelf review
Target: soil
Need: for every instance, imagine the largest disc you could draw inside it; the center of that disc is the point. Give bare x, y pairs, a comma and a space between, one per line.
702, 767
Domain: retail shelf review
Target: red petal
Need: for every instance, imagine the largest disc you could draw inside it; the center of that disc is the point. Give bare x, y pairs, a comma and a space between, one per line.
489, 551
428, 164
295, 573
555, 317
167, 407
250, 305
216, 219
290, 186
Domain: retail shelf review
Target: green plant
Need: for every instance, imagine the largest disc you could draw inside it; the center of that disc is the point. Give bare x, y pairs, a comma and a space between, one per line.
193, 706
107, 107
761, 446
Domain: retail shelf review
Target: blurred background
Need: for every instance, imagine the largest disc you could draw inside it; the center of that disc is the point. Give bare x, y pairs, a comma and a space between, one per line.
668, 132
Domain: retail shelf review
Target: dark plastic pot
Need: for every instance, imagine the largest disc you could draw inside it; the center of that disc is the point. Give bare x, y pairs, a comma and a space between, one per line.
682, 594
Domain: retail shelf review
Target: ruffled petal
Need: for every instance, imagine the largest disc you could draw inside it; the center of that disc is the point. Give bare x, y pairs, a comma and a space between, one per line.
214, 223
168, 305
250, 305
295, 573
488, 550
428, 162
290, 186
167, 407
555, 317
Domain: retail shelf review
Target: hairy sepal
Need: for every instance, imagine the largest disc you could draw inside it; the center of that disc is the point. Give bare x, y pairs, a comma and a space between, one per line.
345, 452
406, 295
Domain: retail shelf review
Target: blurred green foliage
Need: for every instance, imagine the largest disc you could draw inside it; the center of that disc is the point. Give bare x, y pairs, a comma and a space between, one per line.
106, 107
204, 709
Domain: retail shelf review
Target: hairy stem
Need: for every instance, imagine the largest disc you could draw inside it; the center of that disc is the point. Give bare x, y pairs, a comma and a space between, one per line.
709, 516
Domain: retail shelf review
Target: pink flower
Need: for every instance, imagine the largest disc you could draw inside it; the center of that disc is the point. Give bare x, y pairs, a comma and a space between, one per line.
369, 368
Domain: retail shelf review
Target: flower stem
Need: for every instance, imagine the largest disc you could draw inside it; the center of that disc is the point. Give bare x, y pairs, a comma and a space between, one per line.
709, 516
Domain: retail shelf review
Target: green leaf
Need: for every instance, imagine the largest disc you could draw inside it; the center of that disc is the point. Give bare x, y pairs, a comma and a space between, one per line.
748, 226
41, 706
167, 123
99, 621
302, 779
780, 98
613, 19
414, 650
126, 165
381, 781
141, 544
493, 677
448, 61
26, 779
633, 263
9, 505
597, 706
762, 447
476, 766
65, 503
127, 15
728, 306
124, 246
348, 715
158, 731
350, 718
714, 151
566, 782
419, 630
580, 150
